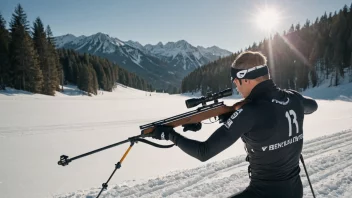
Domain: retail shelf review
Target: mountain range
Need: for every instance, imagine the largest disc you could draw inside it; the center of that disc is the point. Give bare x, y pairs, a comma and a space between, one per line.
162, 65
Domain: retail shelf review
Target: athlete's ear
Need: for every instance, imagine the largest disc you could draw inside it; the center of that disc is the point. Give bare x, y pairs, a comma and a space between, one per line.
237, 82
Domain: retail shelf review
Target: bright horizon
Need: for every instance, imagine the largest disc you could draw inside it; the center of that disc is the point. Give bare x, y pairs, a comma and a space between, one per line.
231, 25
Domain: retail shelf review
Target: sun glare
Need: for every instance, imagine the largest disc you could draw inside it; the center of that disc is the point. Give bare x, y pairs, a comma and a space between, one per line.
268, 19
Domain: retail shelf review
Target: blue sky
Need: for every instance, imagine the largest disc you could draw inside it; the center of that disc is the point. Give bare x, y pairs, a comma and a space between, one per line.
228, 24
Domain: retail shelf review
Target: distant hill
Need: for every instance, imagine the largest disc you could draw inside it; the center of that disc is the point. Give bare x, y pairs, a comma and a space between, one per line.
164, 66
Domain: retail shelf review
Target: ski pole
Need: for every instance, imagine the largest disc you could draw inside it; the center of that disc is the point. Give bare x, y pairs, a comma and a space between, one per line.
310, 184
64, 160
117, 166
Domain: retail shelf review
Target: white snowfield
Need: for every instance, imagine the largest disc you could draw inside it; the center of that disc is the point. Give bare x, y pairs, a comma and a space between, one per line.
36, 129
329, 160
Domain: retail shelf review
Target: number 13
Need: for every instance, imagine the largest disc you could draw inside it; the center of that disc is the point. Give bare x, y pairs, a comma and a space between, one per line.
293, 113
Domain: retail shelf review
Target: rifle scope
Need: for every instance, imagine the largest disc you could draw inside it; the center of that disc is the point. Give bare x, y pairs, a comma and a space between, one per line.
210, 97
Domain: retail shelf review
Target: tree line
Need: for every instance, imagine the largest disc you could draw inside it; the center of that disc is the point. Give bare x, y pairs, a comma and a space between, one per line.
91, 72
30, 62
302, 57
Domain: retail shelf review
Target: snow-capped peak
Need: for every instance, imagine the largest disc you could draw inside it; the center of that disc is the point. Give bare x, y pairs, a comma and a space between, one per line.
183, 54
62, 40
169, 49
136, 45
214, 50
160, 44
98, 42
101, 37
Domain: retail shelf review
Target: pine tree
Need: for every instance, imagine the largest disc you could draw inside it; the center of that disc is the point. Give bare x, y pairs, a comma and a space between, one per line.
46, 58
4, 54
25, 70
292, 29
298, 27
350, 69
55, 59
94, 81
84, 80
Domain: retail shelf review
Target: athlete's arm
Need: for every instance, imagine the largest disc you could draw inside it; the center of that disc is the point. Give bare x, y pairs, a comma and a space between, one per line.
309, 104
239, 123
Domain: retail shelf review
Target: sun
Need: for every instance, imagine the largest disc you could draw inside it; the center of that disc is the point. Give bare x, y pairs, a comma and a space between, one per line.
268, 19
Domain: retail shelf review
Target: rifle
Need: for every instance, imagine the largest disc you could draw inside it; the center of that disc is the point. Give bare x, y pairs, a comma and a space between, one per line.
206, 111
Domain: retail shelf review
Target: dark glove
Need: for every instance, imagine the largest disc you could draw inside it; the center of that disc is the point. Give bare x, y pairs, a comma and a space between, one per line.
162, 132
192, 127
224, 117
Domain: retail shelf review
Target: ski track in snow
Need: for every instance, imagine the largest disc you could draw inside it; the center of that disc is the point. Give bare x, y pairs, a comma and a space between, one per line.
36, 136
328, 160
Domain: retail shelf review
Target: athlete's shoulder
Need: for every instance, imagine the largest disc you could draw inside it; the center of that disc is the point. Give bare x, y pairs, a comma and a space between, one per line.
251, 107
290, 95
248, 108
293, 92
244, 115
309, 104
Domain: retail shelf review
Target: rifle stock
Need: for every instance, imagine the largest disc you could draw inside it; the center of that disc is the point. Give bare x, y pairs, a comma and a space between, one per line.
202, 113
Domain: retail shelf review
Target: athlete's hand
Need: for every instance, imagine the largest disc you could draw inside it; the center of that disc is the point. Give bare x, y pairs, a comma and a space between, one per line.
192, 127
162, 132
224, 117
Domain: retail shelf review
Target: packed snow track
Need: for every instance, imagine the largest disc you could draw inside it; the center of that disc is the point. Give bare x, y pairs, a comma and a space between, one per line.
328, 160
35, 130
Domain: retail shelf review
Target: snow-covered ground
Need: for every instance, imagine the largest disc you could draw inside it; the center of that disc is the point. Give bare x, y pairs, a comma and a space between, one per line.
329, 160
35, 130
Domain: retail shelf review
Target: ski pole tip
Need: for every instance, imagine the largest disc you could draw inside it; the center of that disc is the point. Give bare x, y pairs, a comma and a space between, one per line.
63, 160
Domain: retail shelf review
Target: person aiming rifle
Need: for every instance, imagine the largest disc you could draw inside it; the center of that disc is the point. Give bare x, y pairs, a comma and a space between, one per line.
269, 122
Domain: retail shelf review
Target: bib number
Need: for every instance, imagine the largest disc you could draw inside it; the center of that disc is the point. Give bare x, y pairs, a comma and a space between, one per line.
289, 114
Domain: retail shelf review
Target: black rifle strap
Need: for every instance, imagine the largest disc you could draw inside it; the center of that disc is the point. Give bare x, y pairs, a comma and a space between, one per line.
305, 169
154, 144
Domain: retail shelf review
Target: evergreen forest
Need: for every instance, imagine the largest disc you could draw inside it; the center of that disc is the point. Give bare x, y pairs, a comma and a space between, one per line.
29, 61
304, 56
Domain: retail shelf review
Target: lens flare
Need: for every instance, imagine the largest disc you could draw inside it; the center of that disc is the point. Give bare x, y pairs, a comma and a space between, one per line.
268, 19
